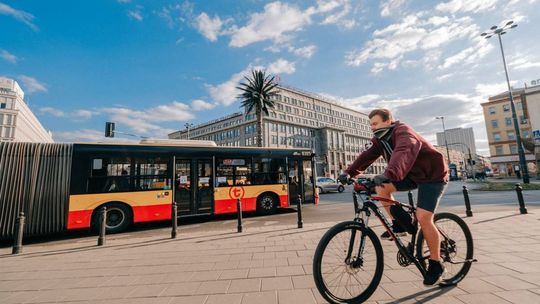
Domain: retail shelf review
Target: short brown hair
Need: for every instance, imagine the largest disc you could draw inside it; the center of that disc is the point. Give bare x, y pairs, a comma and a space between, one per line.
385, 114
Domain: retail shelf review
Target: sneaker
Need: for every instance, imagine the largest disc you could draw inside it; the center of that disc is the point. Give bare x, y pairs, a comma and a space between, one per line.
396, 228
434, 273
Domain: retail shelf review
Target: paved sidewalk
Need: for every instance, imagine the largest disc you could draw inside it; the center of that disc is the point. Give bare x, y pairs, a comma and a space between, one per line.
264, 265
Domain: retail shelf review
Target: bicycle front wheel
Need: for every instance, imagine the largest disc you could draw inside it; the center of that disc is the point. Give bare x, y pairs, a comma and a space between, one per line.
348, 263
456, 247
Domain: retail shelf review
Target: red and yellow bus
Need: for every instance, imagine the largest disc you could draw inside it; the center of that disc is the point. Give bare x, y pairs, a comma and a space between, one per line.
139, 182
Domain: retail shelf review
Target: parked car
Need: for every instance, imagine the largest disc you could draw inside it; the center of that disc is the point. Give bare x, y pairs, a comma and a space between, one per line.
327, 184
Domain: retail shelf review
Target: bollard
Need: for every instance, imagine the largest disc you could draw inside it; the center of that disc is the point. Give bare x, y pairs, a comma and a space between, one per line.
468, 210
19, 230
300, 221
411, 202
102, 226
174, 216
519, 192
239, 213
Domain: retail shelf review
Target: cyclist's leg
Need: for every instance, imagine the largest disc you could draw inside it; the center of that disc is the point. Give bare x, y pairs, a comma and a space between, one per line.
386, 191
429, 195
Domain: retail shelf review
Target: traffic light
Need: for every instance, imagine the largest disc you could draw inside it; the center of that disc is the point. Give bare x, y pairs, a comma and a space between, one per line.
109, 129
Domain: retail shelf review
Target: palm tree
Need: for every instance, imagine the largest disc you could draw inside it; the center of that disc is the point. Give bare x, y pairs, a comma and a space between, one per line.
256, 93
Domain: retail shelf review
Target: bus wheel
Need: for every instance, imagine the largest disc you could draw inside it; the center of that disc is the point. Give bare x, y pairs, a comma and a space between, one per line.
119, 218
266, 204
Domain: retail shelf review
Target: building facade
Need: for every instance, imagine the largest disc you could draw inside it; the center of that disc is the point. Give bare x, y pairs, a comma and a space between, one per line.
336, 134
532, 95
17, 122
458, 139
501, 135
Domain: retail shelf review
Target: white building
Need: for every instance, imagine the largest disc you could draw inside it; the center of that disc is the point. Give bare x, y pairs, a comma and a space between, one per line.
456, 137
17, 122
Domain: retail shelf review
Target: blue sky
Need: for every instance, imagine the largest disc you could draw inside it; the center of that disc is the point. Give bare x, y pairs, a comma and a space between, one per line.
152, 66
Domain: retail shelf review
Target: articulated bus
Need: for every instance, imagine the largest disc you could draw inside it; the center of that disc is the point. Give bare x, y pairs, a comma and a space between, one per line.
63, 186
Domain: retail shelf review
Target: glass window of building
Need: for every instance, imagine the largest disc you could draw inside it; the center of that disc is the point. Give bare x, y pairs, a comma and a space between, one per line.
498, 150
523, 120
494, 123
492, 110
513, 149
506, 107
508, 121
511, 135
525, 133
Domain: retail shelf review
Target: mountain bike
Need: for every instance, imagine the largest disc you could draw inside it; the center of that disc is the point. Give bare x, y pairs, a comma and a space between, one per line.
348, 262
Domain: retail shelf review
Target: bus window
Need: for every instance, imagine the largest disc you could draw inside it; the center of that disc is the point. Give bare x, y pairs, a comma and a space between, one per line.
269, 171
151, 174
231, 172
110, 175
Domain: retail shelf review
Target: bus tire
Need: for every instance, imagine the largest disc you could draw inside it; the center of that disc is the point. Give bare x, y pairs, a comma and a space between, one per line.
119, 217
267, 203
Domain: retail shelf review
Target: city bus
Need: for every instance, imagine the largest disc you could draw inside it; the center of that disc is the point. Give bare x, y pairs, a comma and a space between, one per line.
63, 186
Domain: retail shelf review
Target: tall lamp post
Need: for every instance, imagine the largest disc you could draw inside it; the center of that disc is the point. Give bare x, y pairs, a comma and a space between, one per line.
445, 142
188, 126
494, 30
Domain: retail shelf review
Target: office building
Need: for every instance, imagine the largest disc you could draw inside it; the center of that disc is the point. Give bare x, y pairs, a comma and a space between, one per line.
335, 133
17, 122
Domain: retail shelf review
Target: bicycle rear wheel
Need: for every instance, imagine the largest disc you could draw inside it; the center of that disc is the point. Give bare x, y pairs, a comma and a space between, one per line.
341, 274
456, 247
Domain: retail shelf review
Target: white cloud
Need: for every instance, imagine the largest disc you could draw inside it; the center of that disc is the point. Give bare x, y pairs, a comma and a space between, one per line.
21, 16
390, 7
136, 13
84, 135
209, 27
414, 33
199, 105
123, 1
475, 6
273, 23
32, 85
281, 66
338, 11
485, 90
469, 55
306, 51
522, 62
7, 56
76, 115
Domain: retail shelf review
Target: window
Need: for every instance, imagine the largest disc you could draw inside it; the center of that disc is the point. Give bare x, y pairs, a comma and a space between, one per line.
523, 120
268, 171
511, 135
110, 175
494, 123
513, 149
274, 139
151, 174
232, 172
498, 150
492, 110
525, 133
506, 107
508, 121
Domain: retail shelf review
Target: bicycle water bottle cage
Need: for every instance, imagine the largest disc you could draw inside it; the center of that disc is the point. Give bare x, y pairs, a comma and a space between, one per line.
403, 218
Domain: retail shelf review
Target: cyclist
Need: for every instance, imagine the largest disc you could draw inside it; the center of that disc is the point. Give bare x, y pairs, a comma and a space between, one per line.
412, 163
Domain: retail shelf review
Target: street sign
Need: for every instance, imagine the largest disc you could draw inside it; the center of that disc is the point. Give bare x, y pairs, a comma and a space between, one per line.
536, 134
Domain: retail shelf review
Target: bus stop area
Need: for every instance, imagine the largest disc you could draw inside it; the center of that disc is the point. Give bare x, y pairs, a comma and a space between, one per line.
270, 262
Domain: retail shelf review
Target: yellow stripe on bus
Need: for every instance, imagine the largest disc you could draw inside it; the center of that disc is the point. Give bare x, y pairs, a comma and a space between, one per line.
138, 198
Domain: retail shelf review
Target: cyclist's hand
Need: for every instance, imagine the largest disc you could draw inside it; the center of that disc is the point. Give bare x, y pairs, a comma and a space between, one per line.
344, 178
379, 180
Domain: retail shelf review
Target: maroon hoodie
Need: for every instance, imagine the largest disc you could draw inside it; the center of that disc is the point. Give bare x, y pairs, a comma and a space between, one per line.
412, 157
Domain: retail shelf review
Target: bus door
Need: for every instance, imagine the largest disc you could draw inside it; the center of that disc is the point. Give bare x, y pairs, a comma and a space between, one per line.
294, 180
193, 186
308, 178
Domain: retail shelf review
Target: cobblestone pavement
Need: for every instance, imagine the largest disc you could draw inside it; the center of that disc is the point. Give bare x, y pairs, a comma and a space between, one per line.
269, 264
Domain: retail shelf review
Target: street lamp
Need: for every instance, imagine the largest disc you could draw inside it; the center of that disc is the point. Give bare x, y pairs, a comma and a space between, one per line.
494, 30
188, 126
445, 142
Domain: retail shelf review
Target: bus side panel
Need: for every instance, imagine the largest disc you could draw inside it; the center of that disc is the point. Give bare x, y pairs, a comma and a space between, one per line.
146, 205
225, 197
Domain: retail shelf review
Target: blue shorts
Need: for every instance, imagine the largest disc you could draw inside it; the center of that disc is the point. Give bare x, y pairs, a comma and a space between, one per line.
429, 194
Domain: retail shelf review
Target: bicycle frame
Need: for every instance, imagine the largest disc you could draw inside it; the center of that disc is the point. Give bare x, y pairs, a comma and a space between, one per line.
369, 206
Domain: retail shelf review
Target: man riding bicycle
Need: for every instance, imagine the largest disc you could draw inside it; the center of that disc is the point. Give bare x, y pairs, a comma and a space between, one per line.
413, 163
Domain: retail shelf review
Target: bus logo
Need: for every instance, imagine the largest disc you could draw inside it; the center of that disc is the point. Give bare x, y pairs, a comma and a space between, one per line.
236, 192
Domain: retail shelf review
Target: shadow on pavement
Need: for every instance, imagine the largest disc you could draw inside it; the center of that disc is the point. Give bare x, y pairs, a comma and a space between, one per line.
435, 292
498, 218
